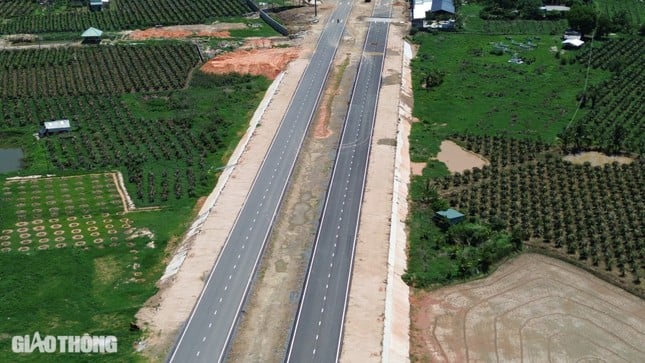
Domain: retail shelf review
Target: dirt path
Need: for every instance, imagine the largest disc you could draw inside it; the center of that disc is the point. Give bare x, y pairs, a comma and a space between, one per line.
533, 308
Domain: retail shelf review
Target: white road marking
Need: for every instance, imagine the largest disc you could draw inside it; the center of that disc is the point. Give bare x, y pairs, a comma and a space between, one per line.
215, 312
225, 287
203, 339
210, 324
197, 353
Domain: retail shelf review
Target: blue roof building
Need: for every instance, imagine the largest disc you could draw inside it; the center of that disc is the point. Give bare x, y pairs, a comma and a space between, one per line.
452, 215
445, 6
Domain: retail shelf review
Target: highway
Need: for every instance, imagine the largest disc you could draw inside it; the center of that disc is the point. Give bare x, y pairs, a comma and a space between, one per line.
207, 333
318, 328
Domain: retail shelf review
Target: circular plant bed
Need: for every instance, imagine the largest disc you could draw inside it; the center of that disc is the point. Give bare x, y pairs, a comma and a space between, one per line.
25, 235
41, 234
79, 243
59, 239
43, 247
22, 230
76, 231
21, 224
53, 220
125, 226
5, 238
71, 219
23, 249
114, 238
98, 241
5, 244
109, 226
105, 215
90, 223
25, 242
95, 234
72, 225
39, 228
77, 236
111, 231
43, 240
107, 220
37, 221
59, 232
56, 226
92, 229
60, 245
7, 231
87, 216
6, 249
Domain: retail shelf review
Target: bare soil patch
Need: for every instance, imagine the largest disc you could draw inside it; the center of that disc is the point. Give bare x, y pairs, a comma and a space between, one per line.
219, 30
533, 308
457, 159
596, 158
260, 62
416, 168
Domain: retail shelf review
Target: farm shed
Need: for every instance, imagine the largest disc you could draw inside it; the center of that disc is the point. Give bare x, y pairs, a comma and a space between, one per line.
572, 43
54, 127
92, 35
443, 6
572, 34
96, 5
452, 215
418, 12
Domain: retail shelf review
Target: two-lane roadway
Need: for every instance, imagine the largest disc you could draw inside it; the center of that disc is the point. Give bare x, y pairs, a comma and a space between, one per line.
318, 328
207, 333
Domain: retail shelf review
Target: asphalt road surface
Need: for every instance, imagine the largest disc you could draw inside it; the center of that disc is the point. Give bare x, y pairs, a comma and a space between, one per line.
318, 328
208, 331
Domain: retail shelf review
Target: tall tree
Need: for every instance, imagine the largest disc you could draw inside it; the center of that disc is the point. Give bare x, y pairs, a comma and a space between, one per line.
582, 18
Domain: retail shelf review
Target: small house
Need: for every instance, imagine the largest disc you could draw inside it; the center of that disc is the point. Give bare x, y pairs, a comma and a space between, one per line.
572, 43
92, 36
96, 5
572, 34
54, 127
446, 7
452, 215
418, 12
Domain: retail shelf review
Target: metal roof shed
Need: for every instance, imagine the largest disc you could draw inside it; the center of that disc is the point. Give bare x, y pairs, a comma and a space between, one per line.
452, 215
443, 5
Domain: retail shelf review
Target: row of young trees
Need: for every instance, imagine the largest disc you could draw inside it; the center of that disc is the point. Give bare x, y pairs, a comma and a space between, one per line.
95, 70
614, 122
588, 213
121, 15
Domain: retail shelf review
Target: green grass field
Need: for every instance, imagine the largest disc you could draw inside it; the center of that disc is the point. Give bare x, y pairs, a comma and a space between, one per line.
482, 93
633, 9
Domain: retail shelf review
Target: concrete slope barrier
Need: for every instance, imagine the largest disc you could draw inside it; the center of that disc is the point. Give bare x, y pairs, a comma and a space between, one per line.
269, 20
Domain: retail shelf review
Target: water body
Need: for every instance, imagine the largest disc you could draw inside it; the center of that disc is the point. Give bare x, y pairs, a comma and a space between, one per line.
10, 160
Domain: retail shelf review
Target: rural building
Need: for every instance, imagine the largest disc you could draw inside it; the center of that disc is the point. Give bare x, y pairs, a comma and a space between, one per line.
452, 215
92, 36
572, 43
572, 34
54, 127
438, 8
96, 5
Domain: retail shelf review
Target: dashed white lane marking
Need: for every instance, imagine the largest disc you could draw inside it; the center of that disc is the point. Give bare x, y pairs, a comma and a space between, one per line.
210, 324
316, 336
319, 322
234, 267
215, 312
229, 276
197, 353
238, 256
203, 339
220, 300
225, 287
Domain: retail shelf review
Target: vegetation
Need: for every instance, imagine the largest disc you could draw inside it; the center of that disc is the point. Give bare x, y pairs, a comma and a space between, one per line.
523, 118
31, 17
534, 100
614, 122
77, 71
72, 259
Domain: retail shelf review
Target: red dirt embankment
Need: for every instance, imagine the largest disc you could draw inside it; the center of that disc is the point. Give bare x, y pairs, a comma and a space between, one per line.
155, 33
259, 62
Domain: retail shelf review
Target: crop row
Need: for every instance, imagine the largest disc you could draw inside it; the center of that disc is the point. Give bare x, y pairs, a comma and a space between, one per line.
524, 26
584, 212
124, 15
614, 122
95, 70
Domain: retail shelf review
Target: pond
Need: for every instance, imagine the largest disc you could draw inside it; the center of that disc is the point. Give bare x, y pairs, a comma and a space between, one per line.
10, 160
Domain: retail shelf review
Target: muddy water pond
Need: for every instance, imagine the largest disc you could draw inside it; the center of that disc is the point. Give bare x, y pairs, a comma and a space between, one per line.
10, 160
